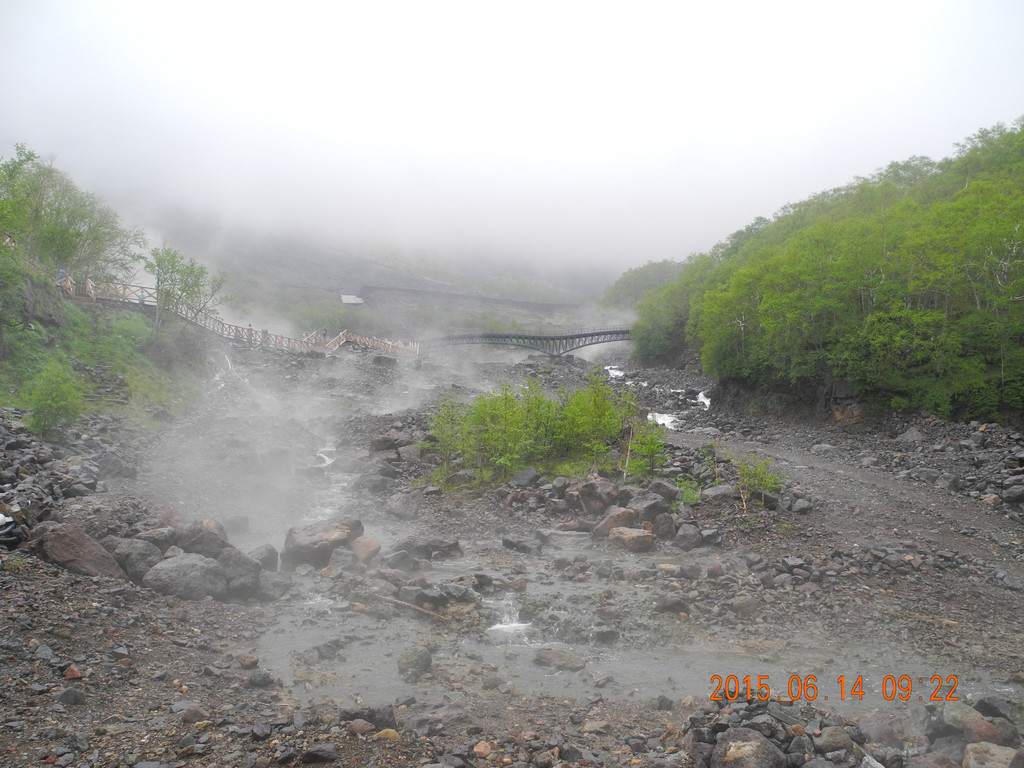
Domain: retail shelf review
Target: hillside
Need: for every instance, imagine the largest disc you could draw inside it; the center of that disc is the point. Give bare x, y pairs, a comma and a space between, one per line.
904, 288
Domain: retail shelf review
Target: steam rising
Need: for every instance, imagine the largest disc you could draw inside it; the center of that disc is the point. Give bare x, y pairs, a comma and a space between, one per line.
562, 135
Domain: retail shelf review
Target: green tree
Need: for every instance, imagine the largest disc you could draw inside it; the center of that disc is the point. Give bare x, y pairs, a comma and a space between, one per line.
56, 400
183, 287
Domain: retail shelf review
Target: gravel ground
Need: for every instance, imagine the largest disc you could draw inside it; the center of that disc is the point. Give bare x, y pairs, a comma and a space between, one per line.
885, 569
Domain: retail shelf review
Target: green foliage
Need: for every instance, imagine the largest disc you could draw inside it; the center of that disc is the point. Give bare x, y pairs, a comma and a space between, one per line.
56, 400
591, 417
908, 284
501, 432
183, 286
690, 490
757, 479
713, 457
58, 226
646, 450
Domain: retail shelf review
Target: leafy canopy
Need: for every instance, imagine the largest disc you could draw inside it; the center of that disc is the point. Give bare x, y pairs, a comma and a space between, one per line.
908, 284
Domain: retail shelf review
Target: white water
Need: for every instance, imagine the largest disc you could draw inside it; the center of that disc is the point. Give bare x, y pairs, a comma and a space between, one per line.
614, 372
508, 629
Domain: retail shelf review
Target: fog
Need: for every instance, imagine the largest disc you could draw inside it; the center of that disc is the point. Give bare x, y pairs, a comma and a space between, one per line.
555, 134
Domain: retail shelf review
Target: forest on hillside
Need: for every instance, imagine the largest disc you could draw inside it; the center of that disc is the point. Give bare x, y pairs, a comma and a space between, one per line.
907, 285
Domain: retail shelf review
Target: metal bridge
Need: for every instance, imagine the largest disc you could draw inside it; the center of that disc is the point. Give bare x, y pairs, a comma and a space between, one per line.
551, 344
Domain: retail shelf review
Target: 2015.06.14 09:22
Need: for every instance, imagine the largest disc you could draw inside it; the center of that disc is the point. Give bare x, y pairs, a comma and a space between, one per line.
901, 687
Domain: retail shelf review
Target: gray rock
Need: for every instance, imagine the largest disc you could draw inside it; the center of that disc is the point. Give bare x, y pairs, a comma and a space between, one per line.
663, 488
687, 537
273, 585
69, 546
648, 506
724, 491
162, 538
833, 738
528, 478
242, 571
206, 538
137, 557
912, 435
746, 748
313, 544
189, 576
266, 555
72, 697
415, 661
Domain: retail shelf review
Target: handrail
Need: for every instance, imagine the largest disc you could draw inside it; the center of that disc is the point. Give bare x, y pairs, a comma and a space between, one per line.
146, 296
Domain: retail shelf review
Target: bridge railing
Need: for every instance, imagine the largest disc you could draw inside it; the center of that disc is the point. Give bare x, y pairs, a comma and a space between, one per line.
87, 290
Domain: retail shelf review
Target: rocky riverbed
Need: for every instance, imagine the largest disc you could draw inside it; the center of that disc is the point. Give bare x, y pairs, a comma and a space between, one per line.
272, 580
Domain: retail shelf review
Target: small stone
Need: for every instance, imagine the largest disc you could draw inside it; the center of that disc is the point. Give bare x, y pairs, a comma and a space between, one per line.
553, 657
72, 696
415, 660
248, 661
260, 679
320, 753
360, 727
482, 749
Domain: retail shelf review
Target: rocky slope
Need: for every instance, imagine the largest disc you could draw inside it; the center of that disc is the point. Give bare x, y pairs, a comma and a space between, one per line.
892, 555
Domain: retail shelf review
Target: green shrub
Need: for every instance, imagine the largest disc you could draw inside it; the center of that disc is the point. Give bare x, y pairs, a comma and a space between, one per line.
690, 491
757, 478
501, 432
646, 449
56, 400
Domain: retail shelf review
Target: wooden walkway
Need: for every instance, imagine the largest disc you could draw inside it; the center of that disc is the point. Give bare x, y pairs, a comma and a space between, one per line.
316, 341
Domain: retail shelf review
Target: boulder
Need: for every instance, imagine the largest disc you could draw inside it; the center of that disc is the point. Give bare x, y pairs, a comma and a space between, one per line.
664, 488
265, 555
632, 539
207, 538
69, 546
983, 755
687, 537
189, 576
162, 538
136, 557
597, 495
242, 572
313, 544
724, 491
648, 506
273, 585
616, 517
364, 548
527, 478
746, 748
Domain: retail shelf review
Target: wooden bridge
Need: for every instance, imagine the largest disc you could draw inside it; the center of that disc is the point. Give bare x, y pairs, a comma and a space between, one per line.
552, 344
316, 341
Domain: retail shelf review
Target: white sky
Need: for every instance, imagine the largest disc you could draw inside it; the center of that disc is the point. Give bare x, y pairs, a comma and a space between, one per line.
560, 132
